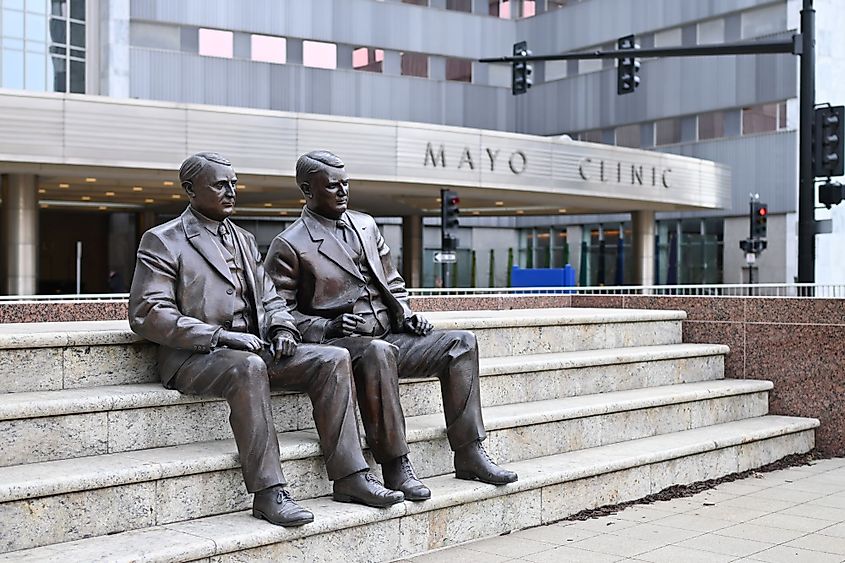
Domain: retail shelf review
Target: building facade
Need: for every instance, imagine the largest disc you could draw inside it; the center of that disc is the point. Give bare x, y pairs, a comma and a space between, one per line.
415, 61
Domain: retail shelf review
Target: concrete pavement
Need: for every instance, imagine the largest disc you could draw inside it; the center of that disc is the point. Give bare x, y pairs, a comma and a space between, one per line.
794, 514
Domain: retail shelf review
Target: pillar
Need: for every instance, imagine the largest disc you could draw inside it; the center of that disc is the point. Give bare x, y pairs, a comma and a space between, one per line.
412, 250
20, 234
643, 227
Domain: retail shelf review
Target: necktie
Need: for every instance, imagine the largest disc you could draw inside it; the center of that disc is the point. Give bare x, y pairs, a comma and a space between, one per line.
347, 235
226, 237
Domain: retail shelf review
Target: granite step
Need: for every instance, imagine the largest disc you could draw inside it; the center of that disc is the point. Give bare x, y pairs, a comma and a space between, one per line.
115, 492
53, 356
51, 425
550, 488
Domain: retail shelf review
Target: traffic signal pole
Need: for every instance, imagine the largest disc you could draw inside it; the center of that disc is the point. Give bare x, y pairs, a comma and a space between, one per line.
806, 179
804, 45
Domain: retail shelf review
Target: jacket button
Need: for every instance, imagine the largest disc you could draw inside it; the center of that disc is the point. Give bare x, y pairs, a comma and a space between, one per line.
227, 325
230, 291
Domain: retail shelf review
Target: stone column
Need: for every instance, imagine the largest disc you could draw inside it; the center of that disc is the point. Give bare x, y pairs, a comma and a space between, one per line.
20, 234
643, 227
412, 250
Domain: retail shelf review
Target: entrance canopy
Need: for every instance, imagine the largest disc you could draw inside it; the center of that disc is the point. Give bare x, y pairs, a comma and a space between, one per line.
91, 151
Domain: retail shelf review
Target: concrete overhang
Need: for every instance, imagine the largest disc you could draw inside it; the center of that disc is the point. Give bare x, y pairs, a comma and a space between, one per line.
397, 168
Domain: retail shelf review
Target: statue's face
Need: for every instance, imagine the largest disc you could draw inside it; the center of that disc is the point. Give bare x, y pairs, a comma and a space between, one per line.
328, 192
213, 191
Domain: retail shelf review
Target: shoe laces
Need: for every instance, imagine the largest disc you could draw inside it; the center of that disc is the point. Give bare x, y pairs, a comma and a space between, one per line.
484, 453
368, 476
283, 496
407, 468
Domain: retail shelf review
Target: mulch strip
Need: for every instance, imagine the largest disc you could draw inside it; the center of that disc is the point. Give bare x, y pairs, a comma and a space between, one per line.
681, 491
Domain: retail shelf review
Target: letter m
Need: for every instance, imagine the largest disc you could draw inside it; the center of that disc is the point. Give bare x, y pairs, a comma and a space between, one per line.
430, 155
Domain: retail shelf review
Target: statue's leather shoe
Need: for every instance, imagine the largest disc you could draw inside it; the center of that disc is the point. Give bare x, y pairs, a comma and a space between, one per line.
362, 487
472, 462
399, 475
277, 506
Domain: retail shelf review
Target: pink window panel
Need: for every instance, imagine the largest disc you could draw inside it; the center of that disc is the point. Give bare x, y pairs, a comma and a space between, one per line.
216, 43
369, 59
529, 9
317, 54
268, 49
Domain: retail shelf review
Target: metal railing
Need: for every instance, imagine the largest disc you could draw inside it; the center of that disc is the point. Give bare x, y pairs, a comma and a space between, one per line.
835, 291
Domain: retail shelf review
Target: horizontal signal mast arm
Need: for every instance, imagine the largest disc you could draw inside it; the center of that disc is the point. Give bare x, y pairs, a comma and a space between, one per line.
790, 46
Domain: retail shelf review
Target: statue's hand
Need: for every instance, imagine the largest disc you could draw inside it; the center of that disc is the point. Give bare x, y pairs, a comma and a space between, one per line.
283, 345
418, 325
343, 325
239, 341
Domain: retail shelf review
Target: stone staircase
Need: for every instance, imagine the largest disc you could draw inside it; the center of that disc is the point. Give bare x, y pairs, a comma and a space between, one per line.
98, 462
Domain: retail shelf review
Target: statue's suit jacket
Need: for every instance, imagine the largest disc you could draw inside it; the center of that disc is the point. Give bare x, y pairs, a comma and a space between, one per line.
183, 291
318, 279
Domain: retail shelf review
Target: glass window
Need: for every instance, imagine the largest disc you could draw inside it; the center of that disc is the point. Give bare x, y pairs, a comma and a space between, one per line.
763, 21
12, 69
36, 6
414, 64
212, 43
759, 119
36, 28
77, 34
59, 8
555, 4
77, 10
317, 54
593, 136
628, 136
529, 8
77, 77
12, 23
13, 4
459, 5
782, 115
668, 38
712, 31
36, 71
499, 8
58, 30
667, 131
368, 59
266, 49
11, 43
555, 70
711, 125
57, 80
459, 70
589, 65
417, 2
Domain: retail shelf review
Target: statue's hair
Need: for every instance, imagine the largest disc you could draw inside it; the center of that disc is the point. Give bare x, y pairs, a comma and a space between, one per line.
194, 165
315, 161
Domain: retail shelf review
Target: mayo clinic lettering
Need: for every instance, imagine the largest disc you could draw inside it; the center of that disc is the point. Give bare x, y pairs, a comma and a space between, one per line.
591, 170
517, 161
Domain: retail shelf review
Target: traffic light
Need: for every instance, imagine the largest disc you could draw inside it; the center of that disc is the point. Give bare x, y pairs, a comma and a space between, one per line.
627, 73
830, 193
522, 71
828, 133
759, 217
449, 223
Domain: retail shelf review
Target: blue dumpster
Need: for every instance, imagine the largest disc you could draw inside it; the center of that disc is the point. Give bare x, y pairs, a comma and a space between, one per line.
543, 277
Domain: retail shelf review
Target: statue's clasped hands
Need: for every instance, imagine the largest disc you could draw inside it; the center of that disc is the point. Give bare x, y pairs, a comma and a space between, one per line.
418, 325
283, 343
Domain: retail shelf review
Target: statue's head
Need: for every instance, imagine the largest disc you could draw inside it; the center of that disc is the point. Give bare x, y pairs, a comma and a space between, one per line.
209, 180
322, 178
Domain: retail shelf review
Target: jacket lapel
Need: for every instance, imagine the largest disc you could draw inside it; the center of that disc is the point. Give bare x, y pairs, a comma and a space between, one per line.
370, 252
200, 239
328, 246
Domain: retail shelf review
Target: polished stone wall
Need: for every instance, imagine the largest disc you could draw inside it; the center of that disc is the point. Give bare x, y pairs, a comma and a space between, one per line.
798, 343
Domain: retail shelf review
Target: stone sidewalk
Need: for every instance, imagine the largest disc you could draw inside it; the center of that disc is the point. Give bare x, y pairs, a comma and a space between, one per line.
795, 514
